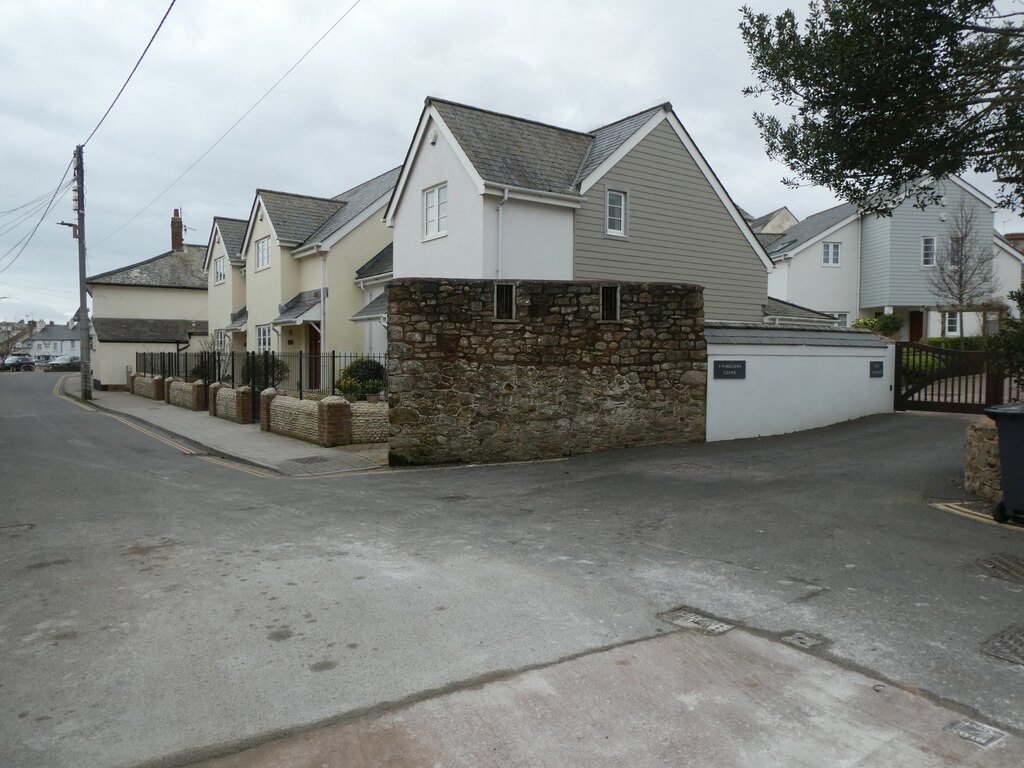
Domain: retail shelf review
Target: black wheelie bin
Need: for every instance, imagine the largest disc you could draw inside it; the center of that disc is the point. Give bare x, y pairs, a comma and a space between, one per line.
1009, 421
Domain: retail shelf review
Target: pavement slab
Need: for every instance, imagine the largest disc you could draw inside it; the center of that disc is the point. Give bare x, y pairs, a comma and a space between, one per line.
684, 699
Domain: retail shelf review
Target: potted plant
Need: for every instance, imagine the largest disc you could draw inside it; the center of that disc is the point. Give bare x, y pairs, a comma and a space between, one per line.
349, 388
374, 388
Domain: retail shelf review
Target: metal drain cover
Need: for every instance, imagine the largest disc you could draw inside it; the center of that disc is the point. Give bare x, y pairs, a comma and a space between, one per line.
1007, 645
692, 620
1004, 566
974, 731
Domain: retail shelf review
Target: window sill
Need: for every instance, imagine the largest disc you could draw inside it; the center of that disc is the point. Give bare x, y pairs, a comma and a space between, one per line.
506, 320
219, 282
435, 237
614, 322
260, 269
831, 266
616, 236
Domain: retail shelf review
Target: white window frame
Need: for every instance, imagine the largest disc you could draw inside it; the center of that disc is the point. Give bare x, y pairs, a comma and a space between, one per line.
219, 270
623, 212
924, 251
221, 341
842, 317
831, 254
264, 338
435, 211
951, 323
262, 253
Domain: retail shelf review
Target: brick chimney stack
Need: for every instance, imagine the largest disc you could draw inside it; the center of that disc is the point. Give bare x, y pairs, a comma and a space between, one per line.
177, 232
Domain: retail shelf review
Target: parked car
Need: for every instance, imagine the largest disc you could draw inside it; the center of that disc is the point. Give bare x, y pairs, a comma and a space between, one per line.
64, 363
19, 362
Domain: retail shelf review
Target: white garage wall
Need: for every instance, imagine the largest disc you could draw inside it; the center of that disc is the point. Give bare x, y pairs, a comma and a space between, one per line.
792, 388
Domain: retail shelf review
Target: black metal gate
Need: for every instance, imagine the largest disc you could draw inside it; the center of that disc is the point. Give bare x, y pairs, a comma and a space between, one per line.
935, 379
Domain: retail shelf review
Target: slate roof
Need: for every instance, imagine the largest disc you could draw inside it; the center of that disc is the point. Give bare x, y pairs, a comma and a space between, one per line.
292, 310
514, 151
808, 229
174, 269
779, 308
720, 332
609, 138
355, 201
130, 329
238, 320
56, 333
381, 264
232, 233
296, 217
376, 308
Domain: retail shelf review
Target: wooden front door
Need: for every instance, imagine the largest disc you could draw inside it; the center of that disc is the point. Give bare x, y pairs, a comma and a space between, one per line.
916, 331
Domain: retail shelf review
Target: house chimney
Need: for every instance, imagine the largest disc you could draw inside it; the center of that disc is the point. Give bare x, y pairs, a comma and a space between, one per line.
177, 237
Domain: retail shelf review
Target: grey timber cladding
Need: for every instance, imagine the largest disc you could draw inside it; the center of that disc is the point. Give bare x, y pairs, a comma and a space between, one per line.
678, 231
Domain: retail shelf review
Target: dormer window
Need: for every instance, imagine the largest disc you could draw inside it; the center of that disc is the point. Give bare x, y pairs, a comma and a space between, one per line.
435, 211
219, 270
615, 212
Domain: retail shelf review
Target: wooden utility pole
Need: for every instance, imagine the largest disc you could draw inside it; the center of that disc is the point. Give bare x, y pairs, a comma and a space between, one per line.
83, 310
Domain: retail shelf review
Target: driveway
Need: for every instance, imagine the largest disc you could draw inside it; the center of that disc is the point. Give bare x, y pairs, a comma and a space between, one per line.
159, 608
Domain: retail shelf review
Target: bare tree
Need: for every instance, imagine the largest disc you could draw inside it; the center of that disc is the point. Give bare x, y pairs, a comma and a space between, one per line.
963, 278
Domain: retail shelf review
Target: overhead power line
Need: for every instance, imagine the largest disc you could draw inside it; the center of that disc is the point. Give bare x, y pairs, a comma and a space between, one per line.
28, 238
234, 125
130, 74
31, 202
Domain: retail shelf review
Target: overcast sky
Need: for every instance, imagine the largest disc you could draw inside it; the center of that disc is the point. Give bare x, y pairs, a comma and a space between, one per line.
344, 115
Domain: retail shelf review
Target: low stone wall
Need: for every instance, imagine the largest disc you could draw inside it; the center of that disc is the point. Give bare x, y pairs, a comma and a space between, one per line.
233, 404
981, 462
144, 386
370, 422
560, 377
326, 422
190, 395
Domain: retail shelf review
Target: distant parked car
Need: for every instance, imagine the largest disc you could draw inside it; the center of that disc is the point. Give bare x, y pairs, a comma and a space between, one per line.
19, 362
64, 363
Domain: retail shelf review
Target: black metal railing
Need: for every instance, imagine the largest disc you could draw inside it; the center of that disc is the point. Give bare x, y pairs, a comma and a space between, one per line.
346, 373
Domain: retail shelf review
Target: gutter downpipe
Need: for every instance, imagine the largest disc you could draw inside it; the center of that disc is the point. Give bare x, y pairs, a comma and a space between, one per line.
323, 297
501, 205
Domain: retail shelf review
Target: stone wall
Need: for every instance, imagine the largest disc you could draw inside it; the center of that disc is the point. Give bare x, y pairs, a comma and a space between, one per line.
185, 394
370, 422
145, 386
233, 404
981, 461
326, 422
554, 381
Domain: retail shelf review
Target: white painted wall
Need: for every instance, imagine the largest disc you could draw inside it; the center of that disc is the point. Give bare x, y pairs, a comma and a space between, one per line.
791, 388
537, 241
458, 253
807, 282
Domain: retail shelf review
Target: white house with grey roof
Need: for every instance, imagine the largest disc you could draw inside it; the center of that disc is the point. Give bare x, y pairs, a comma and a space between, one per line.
53, 340
491, 196
849, 265
293, 249
156, 305
225, 283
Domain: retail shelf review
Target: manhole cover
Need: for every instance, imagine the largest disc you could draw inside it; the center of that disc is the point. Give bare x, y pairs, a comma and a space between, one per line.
692, 620
311, 460
1004, 566
974, 731
800, 640
1007, 645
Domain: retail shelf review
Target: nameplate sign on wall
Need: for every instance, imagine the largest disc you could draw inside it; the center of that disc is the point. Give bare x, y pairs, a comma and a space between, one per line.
877, 368
730, 369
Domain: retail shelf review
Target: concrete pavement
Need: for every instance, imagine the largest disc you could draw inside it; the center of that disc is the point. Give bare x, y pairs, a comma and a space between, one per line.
240, 442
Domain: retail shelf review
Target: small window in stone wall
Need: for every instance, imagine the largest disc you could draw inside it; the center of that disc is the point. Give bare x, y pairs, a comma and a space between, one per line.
504, 301
609, 302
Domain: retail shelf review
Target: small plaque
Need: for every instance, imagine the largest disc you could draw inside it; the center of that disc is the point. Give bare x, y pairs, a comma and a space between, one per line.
877, 369
730, 369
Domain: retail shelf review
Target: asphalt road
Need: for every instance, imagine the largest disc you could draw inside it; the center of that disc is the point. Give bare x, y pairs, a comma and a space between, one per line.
158, 607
